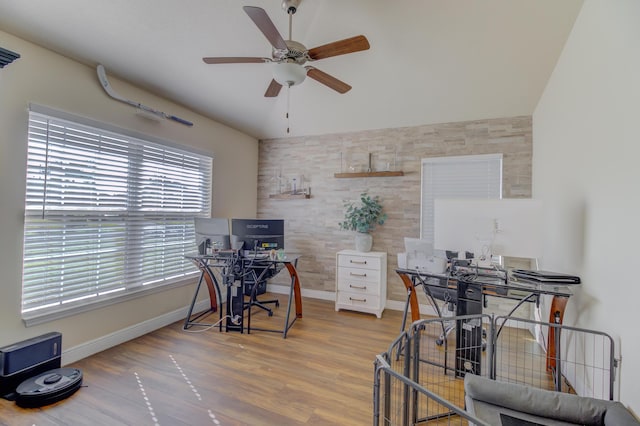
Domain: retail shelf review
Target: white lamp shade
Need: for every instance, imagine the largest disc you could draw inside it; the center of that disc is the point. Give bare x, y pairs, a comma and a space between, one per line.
289, 73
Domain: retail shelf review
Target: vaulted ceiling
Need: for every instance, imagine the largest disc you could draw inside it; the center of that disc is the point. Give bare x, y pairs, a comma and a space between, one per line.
430, 61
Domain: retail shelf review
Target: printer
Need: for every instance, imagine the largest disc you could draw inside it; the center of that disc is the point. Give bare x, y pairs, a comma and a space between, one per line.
419, 255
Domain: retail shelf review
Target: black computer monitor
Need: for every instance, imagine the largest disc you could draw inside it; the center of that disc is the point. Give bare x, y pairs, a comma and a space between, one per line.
211, 232
259, 234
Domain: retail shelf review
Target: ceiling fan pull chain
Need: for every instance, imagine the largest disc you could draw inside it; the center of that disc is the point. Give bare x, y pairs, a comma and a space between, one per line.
288, 101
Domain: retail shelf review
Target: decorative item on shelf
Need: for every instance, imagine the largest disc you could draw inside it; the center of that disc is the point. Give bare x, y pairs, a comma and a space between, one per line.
363, 219
354, 170
298, 188
278, 181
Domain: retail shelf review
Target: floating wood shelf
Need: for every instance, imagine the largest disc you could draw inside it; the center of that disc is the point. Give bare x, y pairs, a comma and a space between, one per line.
368, 174
290, 196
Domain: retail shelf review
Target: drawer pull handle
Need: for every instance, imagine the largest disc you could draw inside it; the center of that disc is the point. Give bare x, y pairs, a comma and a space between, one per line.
357, 275
359, 262
360, 287
357, 300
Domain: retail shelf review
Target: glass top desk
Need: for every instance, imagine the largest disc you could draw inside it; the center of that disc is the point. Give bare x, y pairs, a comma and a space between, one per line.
469, 289
490, 285
226, 268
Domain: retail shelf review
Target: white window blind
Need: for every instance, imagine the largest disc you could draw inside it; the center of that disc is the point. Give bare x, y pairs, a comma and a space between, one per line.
468, 176
106, 213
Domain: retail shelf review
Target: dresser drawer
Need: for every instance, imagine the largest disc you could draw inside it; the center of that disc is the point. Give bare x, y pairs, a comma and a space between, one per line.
365, 301
355, 261
351, 286
358, 275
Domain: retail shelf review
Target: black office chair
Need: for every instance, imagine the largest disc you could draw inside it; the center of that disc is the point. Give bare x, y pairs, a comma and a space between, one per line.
255, 284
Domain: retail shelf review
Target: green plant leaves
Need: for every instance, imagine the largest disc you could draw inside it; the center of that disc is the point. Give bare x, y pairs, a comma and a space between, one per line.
365, 216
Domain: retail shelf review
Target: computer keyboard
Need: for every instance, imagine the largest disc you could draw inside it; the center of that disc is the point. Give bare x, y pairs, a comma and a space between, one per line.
256, 255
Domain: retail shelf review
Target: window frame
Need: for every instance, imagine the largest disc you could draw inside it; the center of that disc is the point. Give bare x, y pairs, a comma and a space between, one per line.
427, 200
163, 217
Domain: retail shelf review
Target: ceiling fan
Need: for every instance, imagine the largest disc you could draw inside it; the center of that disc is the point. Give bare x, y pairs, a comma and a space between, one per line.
289, 56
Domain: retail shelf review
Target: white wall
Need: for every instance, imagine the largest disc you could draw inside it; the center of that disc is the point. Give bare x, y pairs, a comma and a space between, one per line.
44, 77
586, 147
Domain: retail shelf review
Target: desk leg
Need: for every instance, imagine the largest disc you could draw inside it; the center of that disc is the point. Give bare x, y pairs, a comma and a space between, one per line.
556, 314
213, 301
412, 298
214, 294
187, 320
295, 289
406, 308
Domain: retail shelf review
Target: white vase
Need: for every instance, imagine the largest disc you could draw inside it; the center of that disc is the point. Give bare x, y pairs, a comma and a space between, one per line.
364, 241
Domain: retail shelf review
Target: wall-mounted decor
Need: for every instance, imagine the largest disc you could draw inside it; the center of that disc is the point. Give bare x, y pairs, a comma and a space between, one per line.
290, 196
7, 56
368, 174
371, 169
289, 189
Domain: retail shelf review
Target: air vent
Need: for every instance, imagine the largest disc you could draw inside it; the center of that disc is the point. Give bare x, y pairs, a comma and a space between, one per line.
7, 56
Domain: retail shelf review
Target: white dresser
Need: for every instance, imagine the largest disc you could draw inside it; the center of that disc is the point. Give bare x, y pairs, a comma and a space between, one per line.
361, 281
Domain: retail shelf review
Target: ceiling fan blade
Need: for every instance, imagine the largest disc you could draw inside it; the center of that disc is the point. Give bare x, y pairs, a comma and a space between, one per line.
327, 80
264, 24
341, 47
235, 60
273, 90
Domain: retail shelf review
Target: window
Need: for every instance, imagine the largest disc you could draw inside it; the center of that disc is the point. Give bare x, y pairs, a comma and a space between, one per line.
468, 176
107, 214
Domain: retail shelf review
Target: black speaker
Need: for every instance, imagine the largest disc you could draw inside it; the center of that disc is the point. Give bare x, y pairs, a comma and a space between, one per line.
28, 358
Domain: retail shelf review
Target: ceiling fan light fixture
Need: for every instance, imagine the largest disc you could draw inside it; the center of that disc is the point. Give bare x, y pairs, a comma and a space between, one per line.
289, 73
290, 6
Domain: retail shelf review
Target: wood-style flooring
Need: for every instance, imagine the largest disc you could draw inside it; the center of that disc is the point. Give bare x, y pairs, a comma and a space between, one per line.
321, 374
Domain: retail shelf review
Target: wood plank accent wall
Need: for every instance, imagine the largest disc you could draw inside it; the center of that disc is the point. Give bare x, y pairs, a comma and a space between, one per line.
312, 224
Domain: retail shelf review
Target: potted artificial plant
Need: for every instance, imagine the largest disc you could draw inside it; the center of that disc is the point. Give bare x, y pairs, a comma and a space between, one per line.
363, 217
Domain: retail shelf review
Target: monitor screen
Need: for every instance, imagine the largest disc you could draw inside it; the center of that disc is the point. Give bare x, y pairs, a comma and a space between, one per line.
259, 234
212, 232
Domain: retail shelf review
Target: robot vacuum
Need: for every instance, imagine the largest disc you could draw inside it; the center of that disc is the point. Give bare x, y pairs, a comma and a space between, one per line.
48, 387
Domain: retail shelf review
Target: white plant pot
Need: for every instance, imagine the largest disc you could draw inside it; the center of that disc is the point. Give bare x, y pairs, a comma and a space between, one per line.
363, 242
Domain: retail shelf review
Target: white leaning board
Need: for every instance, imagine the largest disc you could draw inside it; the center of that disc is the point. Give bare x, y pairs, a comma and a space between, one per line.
512, 226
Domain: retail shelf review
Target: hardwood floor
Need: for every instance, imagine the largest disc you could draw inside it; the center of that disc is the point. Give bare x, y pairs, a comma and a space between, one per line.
321, 374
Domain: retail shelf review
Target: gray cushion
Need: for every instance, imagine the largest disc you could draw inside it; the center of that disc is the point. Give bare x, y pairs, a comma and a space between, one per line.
491, 414
516, 421
538, 402
617, 415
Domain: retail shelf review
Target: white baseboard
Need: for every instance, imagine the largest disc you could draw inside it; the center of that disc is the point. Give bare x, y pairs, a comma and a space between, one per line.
313, 294
110, 340
394, 305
